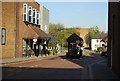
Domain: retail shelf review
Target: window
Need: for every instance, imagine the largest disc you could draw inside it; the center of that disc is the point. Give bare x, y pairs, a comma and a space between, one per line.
25, 8
30, 14
3, 36
25, 12
34, 16
97, 41
38, 18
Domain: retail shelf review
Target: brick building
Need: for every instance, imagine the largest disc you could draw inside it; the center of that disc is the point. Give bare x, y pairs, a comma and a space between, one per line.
0, 28
113, 36
83, 33
20, 25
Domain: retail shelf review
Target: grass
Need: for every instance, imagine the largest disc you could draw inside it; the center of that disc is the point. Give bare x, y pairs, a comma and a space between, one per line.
64, 48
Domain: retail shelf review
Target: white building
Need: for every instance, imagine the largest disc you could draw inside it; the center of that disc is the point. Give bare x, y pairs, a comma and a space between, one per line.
44, 21
96, 41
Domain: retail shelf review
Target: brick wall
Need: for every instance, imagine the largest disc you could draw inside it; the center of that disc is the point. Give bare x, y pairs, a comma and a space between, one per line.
22, 27
83, 32
0, 28
12, 20
9, 22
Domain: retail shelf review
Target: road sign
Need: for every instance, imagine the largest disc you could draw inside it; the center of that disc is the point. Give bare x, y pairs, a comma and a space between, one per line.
34, 40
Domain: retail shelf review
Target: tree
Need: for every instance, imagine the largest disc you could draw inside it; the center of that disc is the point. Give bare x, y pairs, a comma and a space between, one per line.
61, 33
91, 33
52, 28
57, 29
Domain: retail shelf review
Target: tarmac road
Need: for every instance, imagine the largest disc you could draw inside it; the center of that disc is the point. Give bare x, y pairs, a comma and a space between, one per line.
58, 67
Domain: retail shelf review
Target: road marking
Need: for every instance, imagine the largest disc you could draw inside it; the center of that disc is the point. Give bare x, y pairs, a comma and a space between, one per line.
90, 69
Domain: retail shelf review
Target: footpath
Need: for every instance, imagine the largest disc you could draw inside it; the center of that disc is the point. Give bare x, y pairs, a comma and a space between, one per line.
23, 59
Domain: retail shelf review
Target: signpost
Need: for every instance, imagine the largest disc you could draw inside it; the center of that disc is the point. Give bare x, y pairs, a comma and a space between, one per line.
34, 41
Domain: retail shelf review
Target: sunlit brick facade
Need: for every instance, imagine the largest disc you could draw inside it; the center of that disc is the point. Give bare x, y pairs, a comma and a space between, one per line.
21, 30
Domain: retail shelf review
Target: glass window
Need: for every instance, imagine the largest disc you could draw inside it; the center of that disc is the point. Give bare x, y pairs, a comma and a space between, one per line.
97, 41
24, 8
34, 16
30, 19
29, 12
3, 36
37, 14
38, 18
33, 13
25, 12
33, 20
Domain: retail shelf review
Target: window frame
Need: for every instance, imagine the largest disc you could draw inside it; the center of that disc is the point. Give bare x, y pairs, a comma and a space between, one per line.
25, 13
30, 15
3, 42
34, 17
38, 18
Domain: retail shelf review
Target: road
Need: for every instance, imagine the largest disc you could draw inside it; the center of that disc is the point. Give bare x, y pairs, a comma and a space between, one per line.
54, 67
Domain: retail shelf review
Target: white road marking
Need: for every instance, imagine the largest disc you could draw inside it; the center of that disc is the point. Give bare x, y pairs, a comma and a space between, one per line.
90, 69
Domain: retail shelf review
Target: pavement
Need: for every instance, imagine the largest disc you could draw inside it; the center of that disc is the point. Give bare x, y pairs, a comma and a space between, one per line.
92, 67
23, 59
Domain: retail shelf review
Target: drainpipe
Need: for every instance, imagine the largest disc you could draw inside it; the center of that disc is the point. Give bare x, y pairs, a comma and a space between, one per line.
17, 30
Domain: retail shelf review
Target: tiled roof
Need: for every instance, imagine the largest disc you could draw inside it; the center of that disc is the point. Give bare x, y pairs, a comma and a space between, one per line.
34, 32
29, 33
73, 38
99, 36
41, 34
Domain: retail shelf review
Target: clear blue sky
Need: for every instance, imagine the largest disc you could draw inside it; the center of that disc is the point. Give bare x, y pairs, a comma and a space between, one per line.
79, 14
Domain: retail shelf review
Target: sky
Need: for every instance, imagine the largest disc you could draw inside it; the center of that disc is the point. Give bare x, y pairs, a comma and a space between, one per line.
78, 14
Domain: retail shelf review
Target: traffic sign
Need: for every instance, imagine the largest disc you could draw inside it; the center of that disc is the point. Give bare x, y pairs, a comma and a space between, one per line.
34, 40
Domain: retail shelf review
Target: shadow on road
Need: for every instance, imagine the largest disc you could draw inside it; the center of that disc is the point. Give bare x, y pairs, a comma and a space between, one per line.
40, 73
54, 73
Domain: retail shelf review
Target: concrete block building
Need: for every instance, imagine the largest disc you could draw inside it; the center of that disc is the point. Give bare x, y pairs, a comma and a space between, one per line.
20, 25
44, 19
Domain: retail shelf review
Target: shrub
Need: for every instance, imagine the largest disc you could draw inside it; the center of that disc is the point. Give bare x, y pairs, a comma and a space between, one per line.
99, 49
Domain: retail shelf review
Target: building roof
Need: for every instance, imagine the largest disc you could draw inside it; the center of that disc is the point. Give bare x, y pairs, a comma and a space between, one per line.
99, 36
29, 33
41, 34
34, 32
73, 38
105, 39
